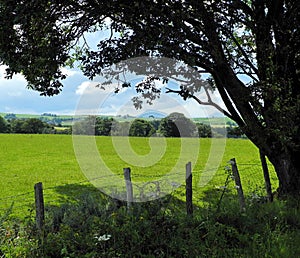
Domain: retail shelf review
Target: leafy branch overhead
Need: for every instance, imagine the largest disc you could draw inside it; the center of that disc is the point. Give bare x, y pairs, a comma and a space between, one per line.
157, 73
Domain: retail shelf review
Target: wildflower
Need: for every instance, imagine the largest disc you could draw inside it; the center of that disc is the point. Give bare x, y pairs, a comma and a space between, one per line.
221, 187
104, 237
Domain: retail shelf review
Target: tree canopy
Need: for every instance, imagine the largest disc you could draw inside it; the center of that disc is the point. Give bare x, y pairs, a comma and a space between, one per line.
141, 127
256, 39
3, 125
177, 125
93, 125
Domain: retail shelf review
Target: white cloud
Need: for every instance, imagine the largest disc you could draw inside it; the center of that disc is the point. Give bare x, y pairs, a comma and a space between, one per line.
86, 87
92, 87
69, 72
17, 77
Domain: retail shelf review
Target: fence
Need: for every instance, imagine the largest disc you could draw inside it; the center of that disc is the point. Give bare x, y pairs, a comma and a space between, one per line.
249, 175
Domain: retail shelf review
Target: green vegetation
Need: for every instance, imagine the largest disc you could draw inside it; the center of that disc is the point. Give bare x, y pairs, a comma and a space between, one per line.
82, 222
96, 226
4, 128
141, 128
177, 125
174, 125
51, 160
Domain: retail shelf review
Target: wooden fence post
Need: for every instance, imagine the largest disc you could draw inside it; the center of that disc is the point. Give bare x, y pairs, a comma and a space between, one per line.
189, 189
39, 205
266, 176
238, 184
129, 190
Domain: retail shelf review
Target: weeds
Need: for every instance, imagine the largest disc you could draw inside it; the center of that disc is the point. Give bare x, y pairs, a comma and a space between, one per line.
96, 227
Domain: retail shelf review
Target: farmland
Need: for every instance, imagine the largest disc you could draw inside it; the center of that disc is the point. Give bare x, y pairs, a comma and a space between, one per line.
28, 159
82, 222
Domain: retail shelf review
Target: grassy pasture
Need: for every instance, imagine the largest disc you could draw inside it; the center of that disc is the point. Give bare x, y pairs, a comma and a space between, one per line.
28, 159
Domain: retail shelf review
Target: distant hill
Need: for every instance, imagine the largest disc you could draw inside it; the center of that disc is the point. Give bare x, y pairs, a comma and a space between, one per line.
66, 120
153, 114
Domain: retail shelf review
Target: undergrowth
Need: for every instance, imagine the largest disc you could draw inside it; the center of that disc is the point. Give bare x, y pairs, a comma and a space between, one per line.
98, 226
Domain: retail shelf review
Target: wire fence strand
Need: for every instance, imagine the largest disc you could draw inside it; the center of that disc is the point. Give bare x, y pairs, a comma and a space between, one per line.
251, 176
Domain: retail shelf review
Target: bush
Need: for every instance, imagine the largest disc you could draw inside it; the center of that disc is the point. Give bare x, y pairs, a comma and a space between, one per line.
95, 226
141, 128
177, 125
4, 128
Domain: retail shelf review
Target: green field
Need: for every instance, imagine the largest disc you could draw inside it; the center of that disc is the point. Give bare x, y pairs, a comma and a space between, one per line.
28, 159
78, 218
67, 119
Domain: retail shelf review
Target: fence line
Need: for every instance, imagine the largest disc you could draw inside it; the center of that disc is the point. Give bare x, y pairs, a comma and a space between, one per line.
251, 176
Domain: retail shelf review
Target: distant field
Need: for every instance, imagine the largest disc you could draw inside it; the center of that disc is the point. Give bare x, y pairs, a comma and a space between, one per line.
67, 119
28, 159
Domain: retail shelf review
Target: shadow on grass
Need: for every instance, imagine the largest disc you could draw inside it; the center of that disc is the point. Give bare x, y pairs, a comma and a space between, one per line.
73, 191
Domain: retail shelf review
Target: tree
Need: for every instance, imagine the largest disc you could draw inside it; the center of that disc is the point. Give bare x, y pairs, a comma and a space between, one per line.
121, 129
204, 130
104, 125
10, 116
30, 126
16, 126
234, 132
93, 125
141, 127
155, 123
85, 126
259, 39
3, 125
177, 125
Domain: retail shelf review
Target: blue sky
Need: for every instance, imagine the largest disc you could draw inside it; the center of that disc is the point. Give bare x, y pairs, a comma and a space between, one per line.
16, 98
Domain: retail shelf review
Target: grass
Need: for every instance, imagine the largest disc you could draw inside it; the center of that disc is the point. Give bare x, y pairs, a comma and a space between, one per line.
28, 159
95, 227
89, 224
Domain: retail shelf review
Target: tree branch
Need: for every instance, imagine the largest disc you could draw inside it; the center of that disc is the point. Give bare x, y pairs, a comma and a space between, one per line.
230, 34
209, 102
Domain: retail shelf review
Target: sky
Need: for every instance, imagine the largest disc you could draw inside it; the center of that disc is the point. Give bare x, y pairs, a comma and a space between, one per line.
80, 96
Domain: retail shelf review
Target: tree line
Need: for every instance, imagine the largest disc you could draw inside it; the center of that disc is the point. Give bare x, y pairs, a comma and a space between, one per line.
174, 125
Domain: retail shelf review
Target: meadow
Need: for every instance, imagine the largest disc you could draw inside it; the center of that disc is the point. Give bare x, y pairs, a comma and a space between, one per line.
80, 221
50, 159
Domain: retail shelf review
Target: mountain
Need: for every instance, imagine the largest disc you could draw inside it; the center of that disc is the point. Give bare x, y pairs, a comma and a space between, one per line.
152, 114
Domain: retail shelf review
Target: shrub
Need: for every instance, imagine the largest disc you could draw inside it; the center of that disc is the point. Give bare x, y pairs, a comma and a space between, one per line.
95, 227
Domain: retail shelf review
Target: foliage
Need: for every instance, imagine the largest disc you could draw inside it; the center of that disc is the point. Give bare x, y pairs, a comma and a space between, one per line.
121, 129
155, 123
141, 127
104, 126
93, 125
10, 116
3, 125
204, 130
94, 226
234, 132
177, 125
30, 126
86, 126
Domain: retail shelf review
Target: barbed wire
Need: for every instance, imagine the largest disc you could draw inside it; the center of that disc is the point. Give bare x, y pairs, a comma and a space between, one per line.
251, 176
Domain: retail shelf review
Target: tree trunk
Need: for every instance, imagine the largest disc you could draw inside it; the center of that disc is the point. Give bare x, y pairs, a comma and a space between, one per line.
287, 167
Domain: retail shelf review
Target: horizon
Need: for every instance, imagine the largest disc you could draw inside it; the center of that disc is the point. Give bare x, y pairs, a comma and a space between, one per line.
102, 115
